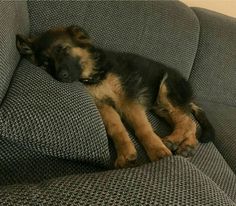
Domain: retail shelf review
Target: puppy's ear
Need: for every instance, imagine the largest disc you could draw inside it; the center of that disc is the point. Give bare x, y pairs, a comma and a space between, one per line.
79, 34
24, 45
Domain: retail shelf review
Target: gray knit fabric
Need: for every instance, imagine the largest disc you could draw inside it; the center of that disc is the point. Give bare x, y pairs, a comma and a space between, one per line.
53, 145
54, 118
143, 27
26, 166
171, 181
223, 118
13, 19
116, 25
209, 160
21, 165
60, 119
214, 73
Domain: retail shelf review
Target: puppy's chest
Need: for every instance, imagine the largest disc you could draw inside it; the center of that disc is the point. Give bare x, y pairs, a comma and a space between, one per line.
109, 90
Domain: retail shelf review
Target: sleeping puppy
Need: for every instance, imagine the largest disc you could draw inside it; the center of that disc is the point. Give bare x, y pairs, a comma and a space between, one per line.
124, 86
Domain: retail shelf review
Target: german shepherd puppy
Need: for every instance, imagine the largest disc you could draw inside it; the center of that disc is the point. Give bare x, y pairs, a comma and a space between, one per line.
124, 86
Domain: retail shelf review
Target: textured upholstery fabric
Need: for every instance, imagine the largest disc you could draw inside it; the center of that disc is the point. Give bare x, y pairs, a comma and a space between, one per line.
13, 19
214, 73
144, 27
21, 165
89, 15
223, 118
26, 166
209, 160
129, 32
60, 119
52, 117
172, 181
53, 145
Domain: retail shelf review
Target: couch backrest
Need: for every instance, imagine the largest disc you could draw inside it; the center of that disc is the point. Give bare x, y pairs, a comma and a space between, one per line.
166, 31
214, 72
13, 19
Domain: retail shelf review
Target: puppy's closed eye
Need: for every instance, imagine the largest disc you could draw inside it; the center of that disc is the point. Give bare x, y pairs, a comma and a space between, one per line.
45, 63
44, 60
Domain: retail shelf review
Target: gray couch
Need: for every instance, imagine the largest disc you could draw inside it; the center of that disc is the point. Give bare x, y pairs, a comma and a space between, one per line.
53, 145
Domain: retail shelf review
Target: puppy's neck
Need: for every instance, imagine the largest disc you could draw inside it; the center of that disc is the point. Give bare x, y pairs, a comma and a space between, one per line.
102, 66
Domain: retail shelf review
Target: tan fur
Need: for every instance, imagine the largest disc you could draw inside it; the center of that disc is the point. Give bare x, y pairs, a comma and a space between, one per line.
184, 128
136, 116
126, 152
195, 108
86, 61
184, 131
163, 106
108, 88
132, 111
162, 112
81, 38
163, 99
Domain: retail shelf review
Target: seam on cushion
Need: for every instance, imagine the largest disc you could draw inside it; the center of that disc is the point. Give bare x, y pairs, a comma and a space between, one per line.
197, 50
194, 9
30, 24
194, 63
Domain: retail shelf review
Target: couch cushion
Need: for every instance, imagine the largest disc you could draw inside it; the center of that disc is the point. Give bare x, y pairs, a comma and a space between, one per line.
60, 119
210, 161
166, 31
51, 117
214, 73
223, 118
13, 19
21, 165
171, 181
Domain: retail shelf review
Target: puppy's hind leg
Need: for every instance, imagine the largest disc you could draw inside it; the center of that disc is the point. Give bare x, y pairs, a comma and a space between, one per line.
175, 109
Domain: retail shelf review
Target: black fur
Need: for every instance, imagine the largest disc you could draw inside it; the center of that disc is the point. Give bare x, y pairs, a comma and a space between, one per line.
208, 132
140, 77
141, 74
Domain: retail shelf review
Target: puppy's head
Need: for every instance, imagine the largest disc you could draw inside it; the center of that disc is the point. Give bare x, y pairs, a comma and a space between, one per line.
66, 53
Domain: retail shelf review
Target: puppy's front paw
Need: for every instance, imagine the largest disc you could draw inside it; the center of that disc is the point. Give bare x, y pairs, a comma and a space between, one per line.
125, 161
126, 157
187, 148
157, 153
184, 146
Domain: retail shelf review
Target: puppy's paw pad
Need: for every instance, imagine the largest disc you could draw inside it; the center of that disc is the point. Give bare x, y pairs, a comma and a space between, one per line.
131, 157
186, 150
158, 153
124, 161
171, 145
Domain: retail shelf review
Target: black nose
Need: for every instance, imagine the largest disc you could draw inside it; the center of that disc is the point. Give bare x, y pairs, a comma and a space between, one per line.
64, 74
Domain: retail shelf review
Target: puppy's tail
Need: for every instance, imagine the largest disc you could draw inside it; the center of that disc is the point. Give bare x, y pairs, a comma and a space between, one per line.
208, 132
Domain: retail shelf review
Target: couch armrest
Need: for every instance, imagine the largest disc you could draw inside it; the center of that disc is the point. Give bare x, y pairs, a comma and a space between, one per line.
14, 19
214, 72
